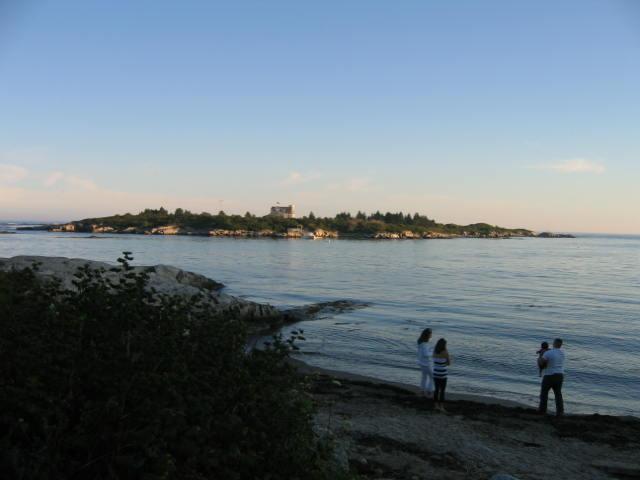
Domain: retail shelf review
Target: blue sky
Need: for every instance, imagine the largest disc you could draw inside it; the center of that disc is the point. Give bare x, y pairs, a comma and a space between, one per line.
513, 113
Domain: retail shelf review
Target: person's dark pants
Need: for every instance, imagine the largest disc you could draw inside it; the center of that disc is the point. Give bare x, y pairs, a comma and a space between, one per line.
552, 382
441, 386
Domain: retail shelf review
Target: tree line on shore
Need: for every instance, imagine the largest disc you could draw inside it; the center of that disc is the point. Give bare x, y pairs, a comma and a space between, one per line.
344, 223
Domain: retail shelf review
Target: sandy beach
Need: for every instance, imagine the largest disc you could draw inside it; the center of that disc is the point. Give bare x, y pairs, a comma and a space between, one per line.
387, 430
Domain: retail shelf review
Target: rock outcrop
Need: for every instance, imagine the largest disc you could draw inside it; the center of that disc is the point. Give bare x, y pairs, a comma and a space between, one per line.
387, 236
320, 233
321, 310
219, 232
167, 280
438, 235
165, 230
67, 227
100, 229
554, 235
163, 279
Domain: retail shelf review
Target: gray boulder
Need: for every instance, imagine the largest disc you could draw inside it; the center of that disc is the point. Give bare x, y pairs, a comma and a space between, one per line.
163, 279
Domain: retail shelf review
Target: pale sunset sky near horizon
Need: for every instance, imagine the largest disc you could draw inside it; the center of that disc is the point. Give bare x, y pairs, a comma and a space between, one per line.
516, 113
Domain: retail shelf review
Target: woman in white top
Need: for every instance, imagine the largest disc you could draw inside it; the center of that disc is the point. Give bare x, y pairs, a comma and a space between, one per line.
425, 361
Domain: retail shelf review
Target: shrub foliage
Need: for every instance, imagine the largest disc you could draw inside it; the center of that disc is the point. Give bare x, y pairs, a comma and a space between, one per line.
110, 381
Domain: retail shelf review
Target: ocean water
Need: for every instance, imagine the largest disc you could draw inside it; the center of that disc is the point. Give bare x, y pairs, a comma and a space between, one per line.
493, 300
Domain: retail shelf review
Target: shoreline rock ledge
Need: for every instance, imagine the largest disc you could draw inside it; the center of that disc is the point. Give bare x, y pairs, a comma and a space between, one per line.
165, 280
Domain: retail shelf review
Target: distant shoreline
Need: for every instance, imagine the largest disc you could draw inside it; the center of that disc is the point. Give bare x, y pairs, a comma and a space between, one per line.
316, 235
283, 223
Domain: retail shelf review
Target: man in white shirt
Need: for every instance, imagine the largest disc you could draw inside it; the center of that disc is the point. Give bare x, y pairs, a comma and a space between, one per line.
553, 363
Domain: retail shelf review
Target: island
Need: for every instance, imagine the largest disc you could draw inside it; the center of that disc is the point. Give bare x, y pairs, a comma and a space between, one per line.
280, 224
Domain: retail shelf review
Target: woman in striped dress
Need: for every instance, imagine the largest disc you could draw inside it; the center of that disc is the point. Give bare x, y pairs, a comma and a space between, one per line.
441, 362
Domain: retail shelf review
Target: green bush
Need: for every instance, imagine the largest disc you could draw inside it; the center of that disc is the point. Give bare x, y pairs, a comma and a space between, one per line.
109, 381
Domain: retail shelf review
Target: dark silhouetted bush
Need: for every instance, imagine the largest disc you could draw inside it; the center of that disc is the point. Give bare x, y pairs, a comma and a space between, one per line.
109, 381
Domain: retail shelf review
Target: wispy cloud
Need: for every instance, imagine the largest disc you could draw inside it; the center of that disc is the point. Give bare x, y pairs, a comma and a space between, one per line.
53, 178
297, 178
81, 183
574, 165
75, 182
353, 185
12, 173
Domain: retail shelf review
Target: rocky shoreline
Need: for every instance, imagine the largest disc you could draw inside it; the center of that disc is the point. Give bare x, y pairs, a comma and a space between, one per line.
78, 227
386, 430
163, 279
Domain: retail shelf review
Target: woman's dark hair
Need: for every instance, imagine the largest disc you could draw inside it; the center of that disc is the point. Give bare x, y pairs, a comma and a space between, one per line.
441, 345
424, 336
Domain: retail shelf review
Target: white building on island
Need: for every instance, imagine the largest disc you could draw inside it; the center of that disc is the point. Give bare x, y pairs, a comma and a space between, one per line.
284, 211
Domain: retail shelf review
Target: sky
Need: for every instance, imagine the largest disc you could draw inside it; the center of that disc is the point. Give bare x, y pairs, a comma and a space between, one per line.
520, 114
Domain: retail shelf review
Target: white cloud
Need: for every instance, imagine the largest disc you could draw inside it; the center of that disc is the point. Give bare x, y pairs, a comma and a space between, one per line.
12, 173
53, 178
574, 165
296, 178
80, 183
73, 182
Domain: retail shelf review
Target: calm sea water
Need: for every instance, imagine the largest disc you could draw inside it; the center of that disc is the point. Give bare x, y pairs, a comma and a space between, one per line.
493, 300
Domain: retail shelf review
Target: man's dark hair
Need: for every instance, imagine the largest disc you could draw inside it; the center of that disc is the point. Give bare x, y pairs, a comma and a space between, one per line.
558, 342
